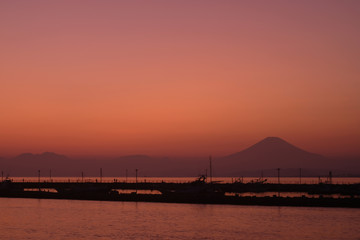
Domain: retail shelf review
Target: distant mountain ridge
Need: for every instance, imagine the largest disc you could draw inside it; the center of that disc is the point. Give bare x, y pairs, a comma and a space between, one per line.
43, 156
271, 145
267, 155
272, 153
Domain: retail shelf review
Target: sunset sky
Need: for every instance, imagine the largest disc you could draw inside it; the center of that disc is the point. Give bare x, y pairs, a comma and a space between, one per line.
178, 78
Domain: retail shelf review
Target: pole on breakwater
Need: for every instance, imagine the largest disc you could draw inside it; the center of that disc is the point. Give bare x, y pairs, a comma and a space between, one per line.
278, 171
39, 179
210, 169
136, 180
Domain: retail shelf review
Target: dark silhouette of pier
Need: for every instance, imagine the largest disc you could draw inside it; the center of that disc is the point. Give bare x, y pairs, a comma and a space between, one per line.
199, 191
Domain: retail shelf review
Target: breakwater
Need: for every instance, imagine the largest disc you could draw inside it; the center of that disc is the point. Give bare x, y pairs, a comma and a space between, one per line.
199, 191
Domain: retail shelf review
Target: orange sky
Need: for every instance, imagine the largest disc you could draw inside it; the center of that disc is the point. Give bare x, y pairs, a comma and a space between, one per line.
178, 78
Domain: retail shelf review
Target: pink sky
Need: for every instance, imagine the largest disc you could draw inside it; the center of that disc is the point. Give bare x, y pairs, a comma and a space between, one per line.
178, 78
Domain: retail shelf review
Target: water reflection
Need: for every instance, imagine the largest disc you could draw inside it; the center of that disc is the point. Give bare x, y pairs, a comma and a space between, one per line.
67, 219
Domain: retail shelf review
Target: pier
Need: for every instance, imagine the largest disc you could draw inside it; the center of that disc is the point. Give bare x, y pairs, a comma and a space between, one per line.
199, 191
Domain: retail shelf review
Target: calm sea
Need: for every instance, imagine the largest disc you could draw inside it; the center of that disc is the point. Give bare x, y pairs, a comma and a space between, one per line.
73, 219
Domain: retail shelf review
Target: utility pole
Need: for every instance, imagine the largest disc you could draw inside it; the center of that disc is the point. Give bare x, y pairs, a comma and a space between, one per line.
136, 179
210, 169
278, 170
39, 179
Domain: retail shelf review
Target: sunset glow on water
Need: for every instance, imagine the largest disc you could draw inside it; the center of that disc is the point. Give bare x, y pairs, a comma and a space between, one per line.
69, 219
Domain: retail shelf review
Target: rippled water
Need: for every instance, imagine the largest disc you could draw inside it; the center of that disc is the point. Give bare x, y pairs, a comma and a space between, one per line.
72, 219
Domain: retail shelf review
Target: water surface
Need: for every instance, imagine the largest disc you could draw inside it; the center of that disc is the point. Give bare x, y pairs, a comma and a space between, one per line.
73, 219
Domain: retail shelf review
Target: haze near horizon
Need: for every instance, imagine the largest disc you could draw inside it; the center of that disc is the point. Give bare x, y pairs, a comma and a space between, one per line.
178, 78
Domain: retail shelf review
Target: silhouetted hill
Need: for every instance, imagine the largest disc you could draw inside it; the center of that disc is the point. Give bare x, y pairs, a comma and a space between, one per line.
272, 153
28, 164
46, 156
273, 147
158, 166
266, 156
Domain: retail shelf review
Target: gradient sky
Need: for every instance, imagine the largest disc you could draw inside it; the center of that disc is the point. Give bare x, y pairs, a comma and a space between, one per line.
178, 78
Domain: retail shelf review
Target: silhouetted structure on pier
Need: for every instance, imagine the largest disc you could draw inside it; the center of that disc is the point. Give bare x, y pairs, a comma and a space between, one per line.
198, 191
